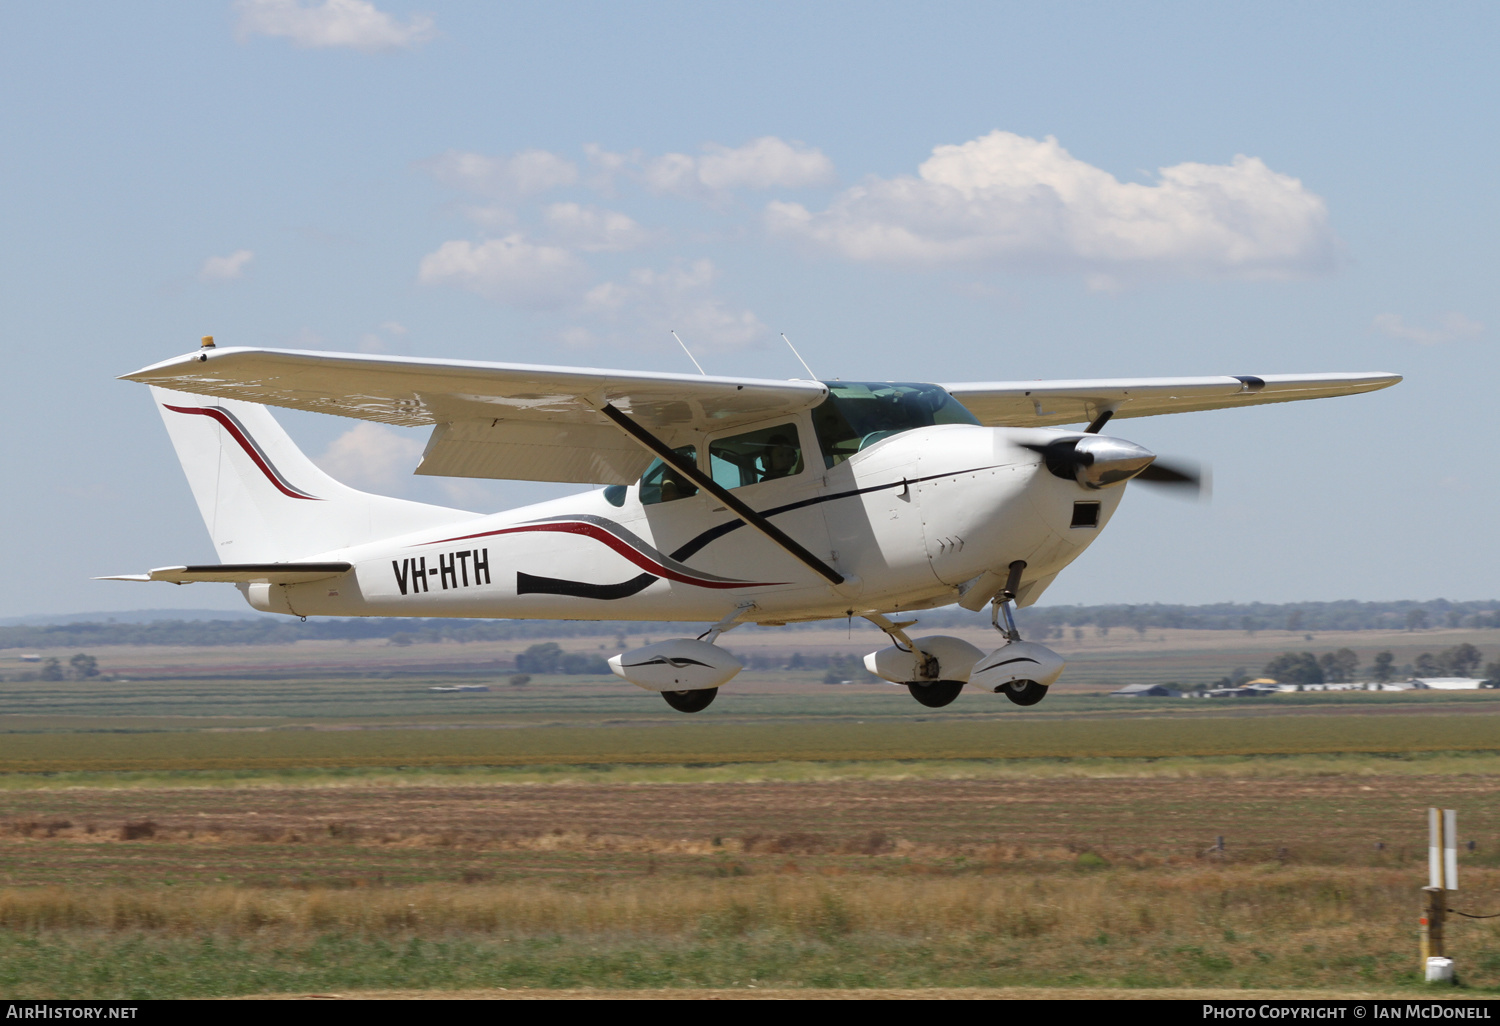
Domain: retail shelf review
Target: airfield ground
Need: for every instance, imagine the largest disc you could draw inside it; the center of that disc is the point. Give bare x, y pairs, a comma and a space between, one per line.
331, 826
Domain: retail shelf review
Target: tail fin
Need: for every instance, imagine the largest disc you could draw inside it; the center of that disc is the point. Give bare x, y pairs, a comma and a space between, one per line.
262, 499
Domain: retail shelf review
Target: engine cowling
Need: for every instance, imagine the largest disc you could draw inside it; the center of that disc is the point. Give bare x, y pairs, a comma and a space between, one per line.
1017, 661
678, 664
955, 658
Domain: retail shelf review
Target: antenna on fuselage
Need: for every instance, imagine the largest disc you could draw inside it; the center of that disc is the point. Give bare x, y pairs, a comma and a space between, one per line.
685, 349
810, 375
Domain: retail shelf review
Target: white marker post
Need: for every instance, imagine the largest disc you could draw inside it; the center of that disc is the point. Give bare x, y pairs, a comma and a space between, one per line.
1442, 877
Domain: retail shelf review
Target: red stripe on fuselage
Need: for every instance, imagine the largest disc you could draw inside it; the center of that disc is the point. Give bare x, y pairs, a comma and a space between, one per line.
640, 559
250, 449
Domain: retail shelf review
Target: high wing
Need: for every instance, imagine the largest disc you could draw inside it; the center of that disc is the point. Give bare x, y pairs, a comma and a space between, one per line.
1043, 403
495, 420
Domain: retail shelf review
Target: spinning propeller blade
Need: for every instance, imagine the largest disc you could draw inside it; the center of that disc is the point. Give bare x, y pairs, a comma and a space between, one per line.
1182, 477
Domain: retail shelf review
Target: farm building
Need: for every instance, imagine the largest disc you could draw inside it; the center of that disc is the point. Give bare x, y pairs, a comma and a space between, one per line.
1448, 683
1255, 689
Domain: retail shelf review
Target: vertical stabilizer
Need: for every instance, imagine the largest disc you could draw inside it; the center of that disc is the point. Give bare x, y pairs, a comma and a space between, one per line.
262, 499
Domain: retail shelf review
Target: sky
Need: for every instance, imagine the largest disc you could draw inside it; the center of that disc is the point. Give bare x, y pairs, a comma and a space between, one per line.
939, 192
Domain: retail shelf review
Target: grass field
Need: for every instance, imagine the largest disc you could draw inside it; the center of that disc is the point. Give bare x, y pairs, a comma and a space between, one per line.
187, 836
883, 883
707, 741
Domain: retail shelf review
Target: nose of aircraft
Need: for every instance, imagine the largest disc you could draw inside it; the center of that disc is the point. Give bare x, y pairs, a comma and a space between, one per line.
1094, 461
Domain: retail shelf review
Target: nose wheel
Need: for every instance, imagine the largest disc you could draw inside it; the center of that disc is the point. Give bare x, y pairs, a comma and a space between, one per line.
935, 693
1024, 692
691, 701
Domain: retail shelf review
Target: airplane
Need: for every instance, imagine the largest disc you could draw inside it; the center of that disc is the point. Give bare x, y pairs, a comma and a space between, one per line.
724, 500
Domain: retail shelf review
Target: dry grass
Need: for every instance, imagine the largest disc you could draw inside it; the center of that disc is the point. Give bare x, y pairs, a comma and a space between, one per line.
1073, 906
1234, 767
1236, 926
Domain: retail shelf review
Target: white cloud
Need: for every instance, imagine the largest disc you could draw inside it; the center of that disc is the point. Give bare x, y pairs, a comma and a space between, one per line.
679, 299
225, 268
521, 174
593, 230
607, 165
350, 23
1451, 326
509, 269
1009, 201
372, 457
764, 163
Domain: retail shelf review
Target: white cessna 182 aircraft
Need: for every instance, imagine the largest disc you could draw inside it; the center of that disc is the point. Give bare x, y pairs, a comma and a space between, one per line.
727, 500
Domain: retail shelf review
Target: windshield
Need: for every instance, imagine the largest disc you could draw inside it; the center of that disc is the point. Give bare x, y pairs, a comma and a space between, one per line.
857, 414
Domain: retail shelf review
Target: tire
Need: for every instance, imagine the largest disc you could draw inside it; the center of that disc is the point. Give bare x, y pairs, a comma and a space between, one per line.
935, 694
1024, 692
691, 701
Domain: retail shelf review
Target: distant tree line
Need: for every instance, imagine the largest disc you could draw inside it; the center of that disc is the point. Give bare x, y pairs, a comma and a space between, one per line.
1343, 666
80, 667
1040, 622
549, 657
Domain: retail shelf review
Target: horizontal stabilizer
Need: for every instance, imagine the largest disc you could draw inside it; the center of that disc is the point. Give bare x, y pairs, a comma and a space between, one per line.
240, 573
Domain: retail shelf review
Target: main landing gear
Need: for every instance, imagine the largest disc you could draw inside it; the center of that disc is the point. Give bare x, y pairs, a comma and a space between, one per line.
935, 693
691, 701
686, 672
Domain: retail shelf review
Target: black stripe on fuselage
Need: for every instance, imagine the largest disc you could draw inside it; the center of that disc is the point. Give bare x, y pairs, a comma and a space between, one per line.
530, 584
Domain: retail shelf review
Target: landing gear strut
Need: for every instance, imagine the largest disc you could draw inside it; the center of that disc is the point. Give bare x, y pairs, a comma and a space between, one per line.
693, 701
1015, 657
1000, 604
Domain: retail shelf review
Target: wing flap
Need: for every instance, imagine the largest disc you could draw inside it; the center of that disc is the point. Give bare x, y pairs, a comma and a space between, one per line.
533, 452
1044, 403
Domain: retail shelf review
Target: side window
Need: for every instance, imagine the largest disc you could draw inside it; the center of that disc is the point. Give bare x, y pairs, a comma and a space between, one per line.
756, 456
660, 483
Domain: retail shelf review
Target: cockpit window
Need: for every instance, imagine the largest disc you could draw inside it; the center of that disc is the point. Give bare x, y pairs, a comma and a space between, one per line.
755, 456
857, 414
660, 483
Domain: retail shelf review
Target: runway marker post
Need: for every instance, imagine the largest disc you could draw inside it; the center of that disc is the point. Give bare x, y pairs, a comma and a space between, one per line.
1442, 877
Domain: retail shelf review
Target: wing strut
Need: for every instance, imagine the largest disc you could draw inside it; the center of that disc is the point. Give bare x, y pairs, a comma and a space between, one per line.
702, 480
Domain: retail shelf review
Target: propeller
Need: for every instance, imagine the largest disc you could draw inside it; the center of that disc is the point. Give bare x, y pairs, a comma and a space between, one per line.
1096, 461
1183, 476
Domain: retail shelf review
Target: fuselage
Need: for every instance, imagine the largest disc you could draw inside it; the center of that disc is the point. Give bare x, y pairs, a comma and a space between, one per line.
907, 517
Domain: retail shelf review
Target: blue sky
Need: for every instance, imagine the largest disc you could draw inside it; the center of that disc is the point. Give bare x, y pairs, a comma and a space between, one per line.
939, 192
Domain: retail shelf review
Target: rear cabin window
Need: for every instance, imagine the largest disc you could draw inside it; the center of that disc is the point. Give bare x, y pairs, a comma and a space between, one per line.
660, 483
756, 456
857, 414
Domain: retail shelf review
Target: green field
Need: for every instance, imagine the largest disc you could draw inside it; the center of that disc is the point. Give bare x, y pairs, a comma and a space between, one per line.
711, 742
